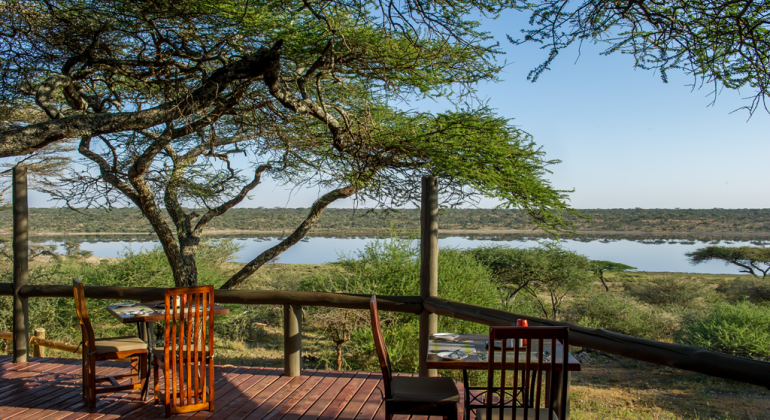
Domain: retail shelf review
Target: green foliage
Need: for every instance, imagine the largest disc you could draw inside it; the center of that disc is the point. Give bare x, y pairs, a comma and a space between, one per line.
600, 266
742, 329
705, 39
675, 291
622, 314
548, 273
136, 269
748, 258
391, 267
743, 289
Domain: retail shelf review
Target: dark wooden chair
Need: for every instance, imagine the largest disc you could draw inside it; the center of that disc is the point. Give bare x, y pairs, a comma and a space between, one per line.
96, 349
410, 395
187, 357
526, 366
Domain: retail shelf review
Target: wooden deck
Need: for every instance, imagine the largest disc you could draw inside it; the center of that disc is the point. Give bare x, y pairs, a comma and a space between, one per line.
46, 388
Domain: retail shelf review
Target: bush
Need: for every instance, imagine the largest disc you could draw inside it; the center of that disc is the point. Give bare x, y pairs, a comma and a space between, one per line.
675, 291
392, 267
142, 269
622, 314
742, 329
745, 289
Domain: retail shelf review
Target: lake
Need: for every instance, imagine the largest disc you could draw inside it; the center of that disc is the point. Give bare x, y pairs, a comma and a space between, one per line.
646, 253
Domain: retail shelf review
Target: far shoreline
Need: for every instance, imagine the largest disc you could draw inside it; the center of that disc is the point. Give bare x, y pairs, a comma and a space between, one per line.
441, 232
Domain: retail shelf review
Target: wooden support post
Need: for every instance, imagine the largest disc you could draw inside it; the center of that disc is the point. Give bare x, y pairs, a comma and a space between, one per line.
20, 265
428, 265
38, 350
292, 340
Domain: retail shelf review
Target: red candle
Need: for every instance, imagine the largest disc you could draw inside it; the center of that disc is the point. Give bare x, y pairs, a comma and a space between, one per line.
522, 323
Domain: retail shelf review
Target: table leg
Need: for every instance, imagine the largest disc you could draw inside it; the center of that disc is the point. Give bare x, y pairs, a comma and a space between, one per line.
466, 388
556, 385
147, 333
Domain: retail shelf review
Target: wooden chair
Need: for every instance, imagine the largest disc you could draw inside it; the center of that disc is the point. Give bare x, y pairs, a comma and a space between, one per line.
410, 395
525, 368
95, 349
187, 358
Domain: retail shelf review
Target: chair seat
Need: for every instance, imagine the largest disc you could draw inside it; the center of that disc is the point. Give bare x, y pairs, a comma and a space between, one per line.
426, 390
119, 344
481, 414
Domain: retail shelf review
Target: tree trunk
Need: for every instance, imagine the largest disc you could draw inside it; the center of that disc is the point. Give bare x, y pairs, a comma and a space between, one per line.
188, 270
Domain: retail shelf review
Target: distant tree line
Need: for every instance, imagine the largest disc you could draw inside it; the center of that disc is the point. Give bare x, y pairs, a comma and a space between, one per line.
129, 220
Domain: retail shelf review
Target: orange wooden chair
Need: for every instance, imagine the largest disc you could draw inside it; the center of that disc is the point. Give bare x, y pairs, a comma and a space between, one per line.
187, 358
95, 349
412, 395
525, 365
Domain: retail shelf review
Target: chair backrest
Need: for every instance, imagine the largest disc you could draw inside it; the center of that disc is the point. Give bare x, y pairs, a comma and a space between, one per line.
382, 351
85, 322
189, 345
527, 364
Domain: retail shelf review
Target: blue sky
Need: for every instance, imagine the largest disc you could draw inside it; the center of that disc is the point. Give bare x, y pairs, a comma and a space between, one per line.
625, 138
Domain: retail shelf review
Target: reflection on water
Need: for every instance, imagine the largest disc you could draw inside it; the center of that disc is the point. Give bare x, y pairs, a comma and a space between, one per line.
644, 252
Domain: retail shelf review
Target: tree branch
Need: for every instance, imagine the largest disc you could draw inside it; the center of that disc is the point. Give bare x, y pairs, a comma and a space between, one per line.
27, 139
299, 233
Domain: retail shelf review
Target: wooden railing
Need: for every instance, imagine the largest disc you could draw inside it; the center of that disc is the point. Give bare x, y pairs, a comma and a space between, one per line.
707, 362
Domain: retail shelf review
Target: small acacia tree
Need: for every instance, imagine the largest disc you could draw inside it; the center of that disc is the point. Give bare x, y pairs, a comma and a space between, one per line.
548, 273
599, 267
750, 259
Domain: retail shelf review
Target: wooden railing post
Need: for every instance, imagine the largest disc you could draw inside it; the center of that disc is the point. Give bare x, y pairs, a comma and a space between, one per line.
292, 340
37, 349
20, 265
428, 265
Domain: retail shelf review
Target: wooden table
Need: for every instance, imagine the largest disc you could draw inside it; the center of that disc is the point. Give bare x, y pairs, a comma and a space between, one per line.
475, 344
145, 326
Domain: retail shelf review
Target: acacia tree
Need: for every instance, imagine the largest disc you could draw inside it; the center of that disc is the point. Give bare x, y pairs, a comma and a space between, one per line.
746, 257
718, 43
600, 266
161, 97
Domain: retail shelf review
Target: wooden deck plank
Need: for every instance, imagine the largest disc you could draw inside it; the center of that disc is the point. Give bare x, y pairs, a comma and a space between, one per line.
267, 405
270, 376
364, 392
298, 395
67, 386
310, 398
227, 393
283, 400
325, 399
345, 395
372, 404
50, 389
148, 409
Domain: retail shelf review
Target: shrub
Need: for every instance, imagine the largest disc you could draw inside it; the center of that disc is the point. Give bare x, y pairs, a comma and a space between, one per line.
745, 288
391, 267
675, 291
622, 314
742, 329
141, 269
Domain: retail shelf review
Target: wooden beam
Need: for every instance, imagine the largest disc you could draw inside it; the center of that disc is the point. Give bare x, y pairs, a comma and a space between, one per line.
20, 265
694, 359
292, 340
407, 304
428, 266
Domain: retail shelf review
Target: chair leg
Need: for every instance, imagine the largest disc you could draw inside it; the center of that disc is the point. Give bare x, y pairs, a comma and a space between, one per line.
91, 386
135, 370
156, 383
